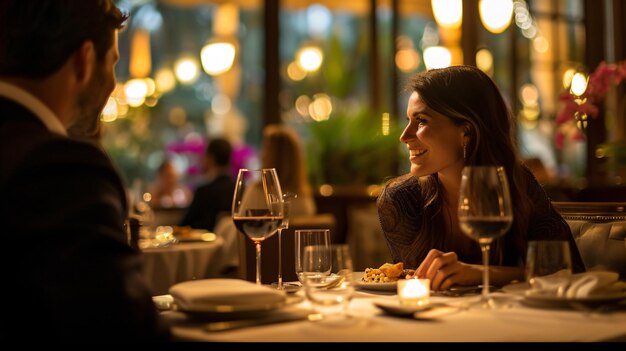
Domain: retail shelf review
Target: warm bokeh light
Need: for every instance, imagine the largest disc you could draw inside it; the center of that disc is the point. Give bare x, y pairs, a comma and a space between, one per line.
437, 57
109, 112
136, 91
321, 107
579, 84
217, 58
295, 72
385, 123
496, 15
326, 190
302, 105
220, 104
150, 85
226, 20
309, 58
407, 60
448, 13
484, 60
186, 69
541, 44
140, 56
567, 77
529, 95
165, 80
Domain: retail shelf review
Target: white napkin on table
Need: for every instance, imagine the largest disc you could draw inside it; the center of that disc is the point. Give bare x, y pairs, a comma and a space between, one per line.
232, 292
580, 285
594, 284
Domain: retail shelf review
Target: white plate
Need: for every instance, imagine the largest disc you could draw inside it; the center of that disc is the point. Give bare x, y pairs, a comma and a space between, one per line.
238, 311
356, 276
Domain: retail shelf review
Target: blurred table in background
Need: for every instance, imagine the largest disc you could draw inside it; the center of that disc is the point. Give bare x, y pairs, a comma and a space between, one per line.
167, 266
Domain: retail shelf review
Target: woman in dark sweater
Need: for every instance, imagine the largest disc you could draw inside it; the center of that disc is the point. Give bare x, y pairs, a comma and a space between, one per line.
457, 117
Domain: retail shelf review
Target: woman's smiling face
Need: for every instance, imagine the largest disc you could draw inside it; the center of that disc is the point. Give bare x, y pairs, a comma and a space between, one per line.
435, 143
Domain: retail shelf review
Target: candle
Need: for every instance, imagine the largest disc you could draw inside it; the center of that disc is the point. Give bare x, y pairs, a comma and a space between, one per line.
413, 292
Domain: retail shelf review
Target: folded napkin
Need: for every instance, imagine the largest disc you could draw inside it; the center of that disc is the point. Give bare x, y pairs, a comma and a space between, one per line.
580, 285
194, 294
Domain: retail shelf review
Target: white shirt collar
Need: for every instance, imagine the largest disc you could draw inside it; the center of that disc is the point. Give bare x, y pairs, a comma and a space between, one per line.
29, 101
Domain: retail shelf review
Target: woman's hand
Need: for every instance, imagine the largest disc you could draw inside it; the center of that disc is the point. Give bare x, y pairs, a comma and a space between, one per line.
445, 270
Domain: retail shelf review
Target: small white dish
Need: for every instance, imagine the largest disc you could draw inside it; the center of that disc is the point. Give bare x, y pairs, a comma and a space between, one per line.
429, 311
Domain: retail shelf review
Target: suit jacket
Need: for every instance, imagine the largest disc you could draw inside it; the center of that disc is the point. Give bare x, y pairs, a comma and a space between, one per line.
209, 202
68, 271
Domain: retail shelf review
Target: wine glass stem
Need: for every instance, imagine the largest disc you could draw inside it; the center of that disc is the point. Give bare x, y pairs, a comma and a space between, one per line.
485, 293
258, 261
280, 263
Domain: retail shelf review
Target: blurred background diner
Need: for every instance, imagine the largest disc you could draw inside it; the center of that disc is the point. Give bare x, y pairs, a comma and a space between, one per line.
332, 71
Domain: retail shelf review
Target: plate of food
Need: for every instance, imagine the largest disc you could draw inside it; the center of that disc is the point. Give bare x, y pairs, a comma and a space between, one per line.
383, 278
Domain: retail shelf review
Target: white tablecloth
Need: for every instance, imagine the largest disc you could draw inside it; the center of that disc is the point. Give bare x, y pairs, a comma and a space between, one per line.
516, 323
167, 266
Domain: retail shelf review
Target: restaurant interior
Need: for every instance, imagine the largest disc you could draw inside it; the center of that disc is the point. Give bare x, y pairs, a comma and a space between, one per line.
335, 72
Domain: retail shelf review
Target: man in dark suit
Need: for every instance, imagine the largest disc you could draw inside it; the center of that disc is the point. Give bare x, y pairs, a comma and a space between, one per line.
68, 271
214, 198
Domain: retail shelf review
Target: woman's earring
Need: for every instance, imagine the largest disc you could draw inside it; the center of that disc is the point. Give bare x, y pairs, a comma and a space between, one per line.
465, 151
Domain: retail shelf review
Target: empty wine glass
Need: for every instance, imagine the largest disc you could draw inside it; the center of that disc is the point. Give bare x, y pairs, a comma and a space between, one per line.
485, 211
304, 239
328, 280
257, 207
287, 197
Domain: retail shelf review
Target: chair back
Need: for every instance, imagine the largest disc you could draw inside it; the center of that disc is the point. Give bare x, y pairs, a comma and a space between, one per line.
269, 249
599, 229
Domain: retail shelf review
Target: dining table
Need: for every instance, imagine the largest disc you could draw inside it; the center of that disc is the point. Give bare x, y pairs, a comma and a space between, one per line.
512, 319
183, 261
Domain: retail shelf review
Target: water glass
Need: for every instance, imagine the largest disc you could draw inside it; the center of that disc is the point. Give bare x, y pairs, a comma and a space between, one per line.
305, 238
331, 293
548, 266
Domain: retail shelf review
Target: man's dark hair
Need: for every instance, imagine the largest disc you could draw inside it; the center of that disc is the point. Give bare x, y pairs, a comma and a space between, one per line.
38, 36
220, 149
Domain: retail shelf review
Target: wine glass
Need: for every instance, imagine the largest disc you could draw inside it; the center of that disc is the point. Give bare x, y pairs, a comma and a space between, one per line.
485, 211
329, 293
304, 239
257, 207
287, 197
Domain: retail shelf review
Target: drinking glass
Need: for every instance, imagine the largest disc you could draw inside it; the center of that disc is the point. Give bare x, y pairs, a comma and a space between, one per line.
485, 211
257, 207
329, 293
287, 197
548, 266
305, 238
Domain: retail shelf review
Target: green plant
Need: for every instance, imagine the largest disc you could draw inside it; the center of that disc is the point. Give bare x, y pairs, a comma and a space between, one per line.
351, 149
